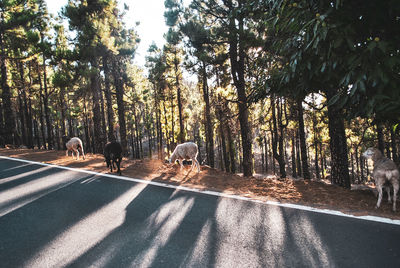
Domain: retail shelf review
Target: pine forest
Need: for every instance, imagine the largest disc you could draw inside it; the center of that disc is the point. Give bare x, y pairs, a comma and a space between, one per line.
294, 88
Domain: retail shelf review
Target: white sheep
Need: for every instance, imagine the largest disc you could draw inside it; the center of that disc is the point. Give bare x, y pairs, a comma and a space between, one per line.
75, 145
186, 151
385, 171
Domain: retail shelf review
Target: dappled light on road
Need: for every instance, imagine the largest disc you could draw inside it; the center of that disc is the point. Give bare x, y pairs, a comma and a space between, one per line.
63, 218
19, 190
86, 233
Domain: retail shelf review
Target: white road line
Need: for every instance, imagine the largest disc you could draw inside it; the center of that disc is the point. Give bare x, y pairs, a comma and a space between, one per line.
213, 193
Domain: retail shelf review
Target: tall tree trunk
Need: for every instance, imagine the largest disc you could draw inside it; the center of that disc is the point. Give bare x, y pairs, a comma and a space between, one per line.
277, 139
208, 125
36, 131
237, 57
181, 137
9, 119
103, 118
22, 118
119, 88
98, 136
314, 121
2, 141
159, 133
166, 129
294, 170
222, 135
231, 149
338, 144
298, 158
302, 135
266, 152
107, 94
46, 96
27, 116
322, 161
63, 108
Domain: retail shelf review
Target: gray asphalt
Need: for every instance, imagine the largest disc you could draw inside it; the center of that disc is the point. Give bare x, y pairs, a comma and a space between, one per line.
51, 217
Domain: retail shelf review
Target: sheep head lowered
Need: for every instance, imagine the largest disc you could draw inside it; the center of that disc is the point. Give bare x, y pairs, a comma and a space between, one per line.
75, 146
186, 151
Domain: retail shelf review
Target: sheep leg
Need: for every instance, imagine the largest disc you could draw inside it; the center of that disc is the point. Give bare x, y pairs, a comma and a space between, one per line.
118, 165
395, 191
388, 193
181, 163
66, 152
83, 154
192, 165
379, 188
197, 164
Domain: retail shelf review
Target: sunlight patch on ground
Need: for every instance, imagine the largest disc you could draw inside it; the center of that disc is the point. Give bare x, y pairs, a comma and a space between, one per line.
308, 241
20, 195
166, 221
23, 175
85, 234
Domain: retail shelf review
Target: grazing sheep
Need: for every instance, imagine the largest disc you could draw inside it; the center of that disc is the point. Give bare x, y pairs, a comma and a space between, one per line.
75, 145
186, 151
385, 170
113, 155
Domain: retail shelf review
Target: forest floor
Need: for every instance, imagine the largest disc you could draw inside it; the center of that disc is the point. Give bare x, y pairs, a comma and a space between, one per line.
359, 201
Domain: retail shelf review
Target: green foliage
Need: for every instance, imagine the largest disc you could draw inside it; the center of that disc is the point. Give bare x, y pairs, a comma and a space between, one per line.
349, 46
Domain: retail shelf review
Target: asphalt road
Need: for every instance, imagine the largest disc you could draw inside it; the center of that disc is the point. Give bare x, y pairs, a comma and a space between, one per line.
51, 217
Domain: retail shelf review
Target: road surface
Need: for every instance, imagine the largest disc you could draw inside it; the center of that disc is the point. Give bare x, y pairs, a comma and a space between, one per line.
52, 217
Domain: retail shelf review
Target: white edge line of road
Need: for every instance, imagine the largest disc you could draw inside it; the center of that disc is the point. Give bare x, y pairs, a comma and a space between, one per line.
207, 192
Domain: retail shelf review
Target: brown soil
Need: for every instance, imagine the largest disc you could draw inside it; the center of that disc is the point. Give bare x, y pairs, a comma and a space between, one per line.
319, 194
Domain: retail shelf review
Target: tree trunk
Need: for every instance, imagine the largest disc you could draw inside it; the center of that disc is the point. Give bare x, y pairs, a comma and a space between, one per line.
98, 136
302, 135
107, 94
231, 149
266, 153
9, 119
208, 125
119, 88
181, 138
102, 115
294, 170
2, 141
166, 129
36, 131
338, 145
277, 139
160, 149
27, 114
322, 161
22, 118
63, 108
237, 58
314, 121
46, 106
222, 135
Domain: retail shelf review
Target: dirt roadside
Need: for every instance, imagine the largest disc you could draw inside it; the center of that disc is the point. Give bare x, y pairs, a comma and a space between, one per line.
359, 201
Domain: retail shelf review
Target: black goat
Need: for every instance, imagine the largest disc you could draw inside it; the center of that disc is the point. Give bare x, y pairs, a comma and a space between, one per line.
113, 154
